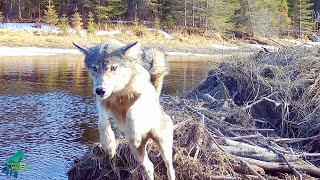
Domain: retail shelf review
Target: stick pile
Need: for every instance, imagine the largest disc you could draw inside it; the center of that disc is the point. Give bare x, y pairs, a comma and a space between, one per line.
250, 119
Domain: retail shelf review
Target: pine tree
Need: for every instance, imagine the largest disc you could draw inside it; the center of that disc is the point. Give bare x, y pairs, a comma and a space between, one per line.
219, 15
64, 25
157, 24
172, 12
110, 9
262, 17
91, 25
301, 16
170, 21
51, 16
137, 29
243, 18
76, 22
283, 16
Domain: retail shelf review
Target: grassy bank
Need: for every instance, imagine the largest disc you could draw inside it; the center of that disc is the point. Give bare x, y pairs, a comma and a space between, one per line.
181, 41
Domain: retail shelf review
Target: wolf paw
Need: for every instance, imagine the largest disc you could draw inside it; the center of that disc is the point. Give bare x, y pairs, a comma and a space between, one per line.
112, 152
110, 149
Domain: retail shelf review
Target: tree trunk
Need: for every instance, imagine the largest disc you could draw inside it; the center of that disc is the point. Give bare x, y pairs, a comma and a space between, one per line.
39, 9
192, 13
136, 9
19, 7
250, 18
185, 13
300, 34
206, 18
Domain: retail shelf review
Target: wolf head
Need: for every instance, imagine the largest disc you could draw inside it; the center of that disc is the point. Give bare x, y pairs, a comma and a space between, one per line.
109, 66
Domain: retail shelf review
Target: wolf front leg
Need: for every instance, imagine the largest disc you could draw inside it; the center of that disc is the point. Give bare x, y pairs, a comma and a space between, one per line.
107, 138
164, 140
141, 156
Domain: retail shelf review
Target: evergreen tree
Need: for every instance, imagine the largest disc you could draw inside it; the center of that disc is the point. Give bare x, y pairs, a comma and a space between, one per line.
262, 17
170, 21
219, 15
157, 24
51, 16
243, 18
283, 17
110, 9
300, 12
64, 25
91, 25
76, 22
137, 29
170, 11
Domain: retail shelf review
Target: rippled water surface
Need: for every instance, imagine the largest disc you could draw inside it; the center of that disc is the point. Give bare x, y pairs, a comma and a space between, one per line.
47, 109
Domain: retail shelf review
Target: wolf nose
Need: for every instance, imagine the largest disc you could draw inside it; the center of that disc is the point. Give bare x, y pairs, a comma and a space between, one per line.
100, 91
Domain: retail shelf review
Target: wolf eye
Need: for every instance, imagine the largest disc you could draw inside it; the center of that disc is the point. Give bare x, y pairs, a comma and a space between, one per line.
95, 69
113, 68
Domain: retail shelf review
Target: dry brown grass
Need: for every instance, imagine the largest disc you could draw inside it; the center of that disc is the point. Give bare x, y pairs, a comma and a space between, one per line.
148, 38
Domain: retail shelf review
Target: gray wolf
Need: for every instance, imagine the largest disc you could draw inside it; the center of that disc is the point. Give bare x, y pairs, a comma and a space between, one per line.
127, 85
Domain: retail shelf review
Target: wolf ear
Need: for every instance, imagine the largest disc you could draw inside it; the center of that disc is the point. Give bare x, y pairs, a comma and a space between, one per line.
131, 50
81, 49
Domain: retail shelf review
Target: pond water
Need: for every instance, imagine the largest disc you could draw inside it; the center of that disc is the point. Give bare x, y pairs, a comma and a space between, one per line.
48, 111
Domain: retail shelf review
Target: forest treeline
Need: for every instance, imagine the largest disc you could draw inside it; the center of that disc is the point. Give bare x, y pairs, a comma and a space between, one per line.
267, 18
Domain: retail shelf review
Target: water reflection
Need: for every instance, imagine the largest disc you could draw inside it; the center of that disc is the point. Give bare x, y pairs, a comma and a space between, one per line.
40, 74
187, 72
47, 108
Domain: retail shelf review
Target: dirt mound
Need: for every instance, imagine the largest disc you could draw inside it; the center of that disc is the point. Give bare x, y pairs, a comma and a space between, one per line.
255, 118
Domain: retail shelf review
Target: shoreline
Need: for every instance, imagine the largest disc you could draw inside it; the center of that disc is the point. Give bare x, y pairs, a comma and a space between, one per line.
29, 41
8, 51
214, 50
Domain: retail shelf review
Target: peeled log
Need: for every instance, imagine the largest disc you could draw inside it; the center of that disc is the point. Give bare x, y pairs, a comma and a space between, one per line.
275, 166
264, 156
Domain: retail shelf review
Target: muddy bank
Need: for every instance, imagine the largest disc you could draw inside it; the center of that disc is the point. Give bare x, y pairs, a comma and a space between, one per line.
249, 119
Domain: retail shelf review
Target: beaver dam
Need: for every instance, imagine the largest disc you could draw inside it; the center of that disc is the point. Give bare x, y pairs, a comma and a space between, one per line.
249, 119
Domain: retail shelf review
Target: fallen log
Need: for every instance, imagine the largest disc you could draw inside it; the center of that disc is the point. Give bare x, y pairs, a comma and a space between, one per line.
240, 145
266, 156
283, 167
